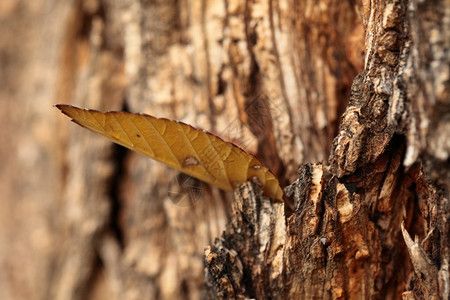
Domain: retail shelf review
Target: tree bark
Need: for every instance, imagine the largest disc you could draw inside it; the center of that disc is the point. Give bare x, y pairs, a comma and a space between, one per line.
346, 102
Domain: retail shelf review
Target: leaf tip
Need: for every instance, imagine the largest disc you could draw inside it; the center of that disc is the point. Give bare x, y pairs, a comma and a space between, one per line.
62, 107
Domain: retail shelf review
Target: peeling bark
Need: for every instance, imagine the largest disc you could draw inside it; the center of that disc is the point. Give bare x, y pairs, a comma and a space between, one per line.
347, 101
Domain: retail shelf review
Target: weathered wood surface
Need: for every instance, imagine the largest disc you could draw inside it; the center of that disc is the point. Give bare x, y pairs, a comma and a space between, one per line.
83, 219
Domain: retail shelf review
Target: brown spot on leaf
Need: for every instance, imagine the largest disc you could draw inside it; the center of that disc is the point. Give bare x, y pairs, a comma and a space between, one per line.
190, 161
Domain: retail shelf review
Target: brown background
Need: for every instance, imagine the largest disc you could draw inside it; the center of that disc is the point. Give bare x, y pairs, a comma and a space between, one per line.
84, 219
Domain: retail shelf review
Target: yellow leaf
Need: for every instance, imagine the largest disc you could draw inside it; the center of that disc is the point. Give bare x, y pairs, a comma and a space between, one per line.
193, 151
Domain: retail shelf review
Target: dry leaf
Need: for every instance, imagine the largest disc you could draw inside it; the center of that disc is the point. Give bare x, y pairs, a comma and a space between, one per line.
193, 151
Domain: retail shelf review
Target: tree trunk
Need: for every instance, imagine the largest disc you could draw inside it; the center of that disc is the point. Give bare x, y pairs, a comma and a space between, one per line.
346, 102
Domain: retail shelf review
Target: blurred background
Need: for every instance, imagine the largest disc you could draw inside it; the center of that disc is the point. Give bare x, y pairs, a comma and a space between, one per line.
81, 218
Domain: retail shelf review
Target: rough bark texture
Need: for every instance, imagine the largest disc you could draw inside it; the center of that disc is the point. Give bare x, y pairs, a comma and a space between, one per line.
348, 101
